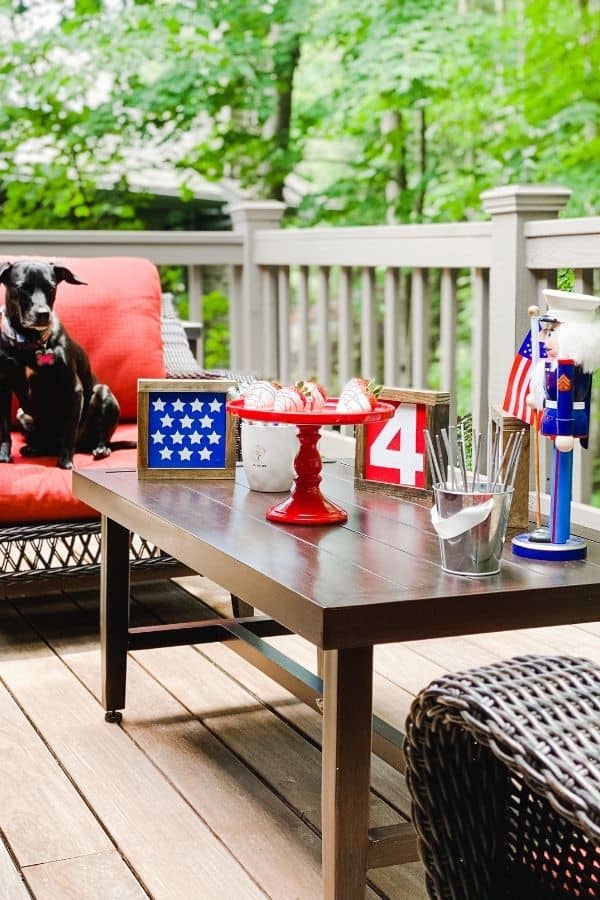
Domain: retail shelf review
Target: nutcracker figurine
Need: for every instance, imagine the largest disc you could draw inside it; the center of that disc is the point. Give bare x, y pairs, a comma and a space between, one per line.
560, 390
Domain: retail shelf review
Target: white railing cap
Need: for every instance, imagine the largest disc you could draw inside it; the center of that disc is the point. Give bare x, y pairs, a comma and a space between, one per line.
269, 211
523, 198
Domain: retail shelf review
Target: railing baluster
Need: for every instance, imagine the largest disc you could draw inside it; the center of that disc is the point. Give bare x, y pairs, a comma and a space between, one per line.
345, 329
393, 331
303, 333
448, 336
195, 310
269, 279
419, 328
480, 285
323, 335
583, 460
283, 322
368, 324
236, 361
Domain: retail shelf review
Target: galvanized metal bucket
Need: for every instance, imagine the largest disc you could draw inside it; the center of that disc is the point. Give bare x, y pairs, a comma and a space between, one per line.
471, 527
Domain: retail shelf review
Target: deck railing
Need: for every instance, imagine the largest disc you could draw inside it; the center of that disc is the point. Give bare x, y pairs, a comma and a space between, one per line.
343, 301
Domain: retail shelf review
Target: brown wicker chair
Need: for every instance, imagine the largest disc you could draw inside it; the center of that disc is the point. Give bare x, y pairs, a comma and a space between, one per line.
503, 767
39, 557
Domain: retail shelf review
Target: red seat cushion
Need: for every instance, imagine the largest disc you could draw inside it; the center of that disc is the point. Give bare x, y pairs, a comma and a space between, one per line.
36, 490
116, 317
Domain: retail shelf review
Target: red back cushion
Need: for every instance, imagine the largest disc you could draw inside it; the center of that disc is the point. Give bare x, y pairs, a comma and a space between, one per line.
116, 318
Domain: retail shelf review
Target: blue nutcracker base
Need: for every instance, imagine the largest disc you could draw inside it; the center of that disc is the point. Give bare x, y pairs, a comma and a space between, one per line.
573, 548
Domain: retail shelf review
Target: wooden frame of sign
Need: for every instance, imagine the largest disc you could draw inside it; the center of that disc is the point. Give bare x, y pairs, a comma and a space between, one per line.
518, 517
184, 429
401, 470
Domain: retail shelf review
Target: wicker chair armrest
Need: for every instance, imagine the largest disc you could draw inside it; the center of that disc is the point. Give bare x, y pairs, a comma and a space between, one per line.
506, 759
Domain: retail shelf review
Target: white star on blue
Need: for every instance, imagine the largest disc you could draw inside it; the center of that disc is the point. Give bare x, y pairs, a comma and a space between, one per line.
167, 434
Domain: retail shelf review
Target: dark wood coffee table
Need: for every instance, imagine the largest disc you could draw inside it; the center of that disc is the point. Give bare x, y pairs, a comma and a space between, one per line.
375, 579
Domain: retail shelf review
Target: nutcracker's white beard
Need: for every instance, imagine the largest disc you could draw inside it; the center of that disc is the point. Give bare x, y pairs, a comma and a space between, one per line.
581, 343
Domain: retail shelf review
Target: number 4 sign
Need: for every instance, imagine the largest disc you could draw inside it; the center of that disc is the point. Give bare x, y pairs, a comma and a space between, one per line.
390, 456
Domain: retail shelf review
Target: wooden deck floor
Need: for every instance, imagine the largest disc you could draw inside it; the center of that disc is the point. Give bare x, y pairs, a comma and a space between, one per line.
211, 787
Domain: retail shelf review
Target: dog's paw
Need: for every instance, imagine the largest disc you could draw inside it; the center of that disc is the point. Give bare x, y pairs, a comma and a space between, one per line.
25, 420
101, 451
65, 462
5, 456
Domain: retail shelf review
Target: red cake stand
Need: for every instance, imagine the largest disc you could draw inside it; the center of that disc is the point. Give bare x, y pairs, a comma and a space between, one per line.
306, 505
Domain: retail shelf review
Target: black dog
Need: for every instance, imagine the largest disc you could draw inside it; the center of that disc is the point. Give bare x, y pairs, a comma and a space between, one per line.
63, 408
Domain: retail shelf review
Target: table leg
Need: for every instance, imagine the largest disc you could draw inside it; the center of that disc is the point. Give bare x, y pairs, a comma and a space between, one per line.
347, 711
114, 616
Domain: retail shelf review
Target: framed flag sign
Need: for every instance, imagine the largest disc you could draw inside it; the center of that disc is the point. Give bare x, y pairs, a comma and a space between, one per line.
391, 455
184, 430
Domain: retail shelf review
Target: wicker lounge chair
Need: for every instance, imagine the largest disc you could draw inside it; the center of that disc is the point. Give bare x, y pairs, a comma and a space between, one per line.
503, 767
38, 557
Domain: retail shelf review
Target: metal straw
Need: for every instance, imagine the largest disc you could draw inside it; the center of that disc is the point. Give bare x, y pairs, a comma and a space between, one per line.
501, 467
476, 452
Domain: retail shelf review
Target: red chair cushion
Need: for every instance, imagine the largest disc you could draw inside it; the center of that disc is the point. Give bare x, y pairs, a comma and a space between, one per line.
116, 317
38, 491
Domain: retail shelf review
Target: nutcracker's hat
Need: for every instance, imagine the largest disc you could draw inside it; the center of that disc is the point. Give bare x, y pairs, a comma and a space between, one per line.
566, 307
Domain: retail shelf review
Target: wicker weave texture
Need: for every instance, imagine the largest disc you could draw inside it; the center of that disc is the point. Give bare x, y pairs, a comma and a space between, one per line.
503, 767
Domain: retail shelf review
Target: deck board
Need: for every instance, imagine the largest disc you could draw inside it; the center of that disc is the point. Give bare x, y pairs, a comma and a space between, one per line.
100, 875
11, 879
211, 787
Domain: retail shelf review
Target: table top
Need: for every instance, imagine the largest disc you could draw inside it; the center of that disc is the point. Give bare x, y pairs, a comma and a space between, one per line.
375, 579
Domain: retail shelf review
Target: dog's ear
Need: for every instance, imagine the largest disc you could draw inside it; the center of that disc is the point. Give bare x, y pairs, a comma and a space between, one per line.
5, 269
61, 273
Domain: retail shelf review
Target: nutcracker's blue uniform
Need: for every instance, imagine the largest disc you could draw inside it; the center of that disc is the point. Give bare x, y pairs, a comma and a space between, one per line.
573, 418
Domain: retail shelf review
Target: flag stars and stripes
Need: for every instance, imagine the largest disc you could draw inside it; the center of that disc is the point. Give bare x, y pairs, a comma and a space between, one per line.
187, 429
519, 380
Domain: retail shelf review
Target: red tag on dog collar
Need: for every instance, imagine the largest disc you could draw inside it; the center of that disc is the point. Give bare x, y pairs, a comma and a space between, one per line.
44, 358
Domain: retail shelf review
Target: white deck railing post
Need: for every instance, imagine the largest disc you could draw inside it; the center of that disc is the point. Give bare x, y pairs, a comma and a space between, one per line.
248, 218
513, 287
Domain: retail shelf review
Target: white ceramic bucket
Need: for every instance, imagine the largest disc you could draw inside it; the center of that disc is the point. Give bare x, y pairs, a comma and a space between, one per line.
268, 453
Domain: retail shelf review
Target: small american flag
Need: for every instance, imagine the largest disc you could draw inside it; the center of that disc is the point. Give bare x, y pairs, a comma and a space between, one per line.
518, 381
187, 430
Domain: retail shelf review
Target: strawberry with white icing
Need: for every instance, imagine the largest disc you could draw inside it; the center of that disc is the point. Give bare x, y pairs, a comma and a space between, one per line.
316, 396
289, 399
260, 395
358, 395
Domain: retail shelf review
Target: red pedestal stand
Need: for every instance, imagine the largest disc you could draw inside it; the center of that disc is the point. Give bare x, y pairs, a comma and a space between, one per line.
306, 505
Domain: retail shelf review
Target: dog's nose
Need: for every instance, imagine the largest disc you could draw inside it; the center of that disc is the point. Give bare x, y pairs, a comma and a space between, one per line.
42, 316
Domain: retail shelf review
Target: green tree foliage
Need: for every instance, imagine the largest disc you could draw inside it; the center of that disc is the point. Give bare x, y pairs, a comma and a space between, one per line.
393, 111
